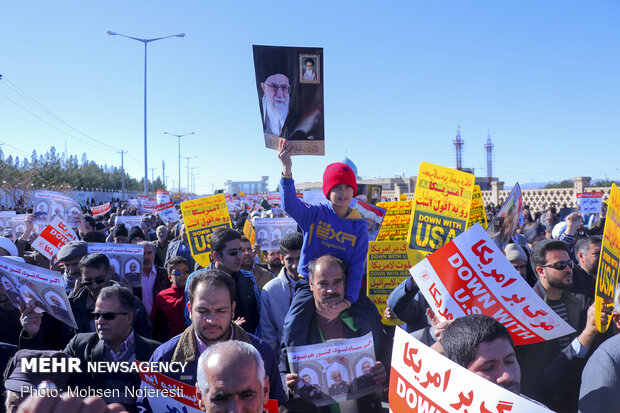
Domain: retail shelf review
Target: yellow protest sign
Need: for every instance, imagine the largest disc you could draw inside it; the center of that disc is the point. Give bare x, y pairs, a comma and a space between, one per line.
609, 261
395, 225
477, 212
201, 217
248, 231
440, 208
388, 266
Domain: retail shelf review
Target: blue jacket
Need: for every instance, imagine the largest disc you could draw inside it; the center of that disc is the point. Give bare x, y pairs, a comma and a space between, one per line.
325, 233
246, 297
183, 348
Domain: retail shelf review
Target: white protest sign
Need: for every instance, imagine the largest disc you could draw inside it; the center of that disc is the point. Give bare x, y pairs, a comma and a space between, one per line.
471, 275
129, 221
162, 196
100, 209
422, 380
590, 202
53, 237
167, 212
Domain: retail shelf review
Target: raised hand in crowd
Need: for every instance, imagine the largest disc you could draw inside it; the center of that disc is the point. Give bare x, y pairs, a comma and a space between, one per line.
29, 221
284, 153
573, 223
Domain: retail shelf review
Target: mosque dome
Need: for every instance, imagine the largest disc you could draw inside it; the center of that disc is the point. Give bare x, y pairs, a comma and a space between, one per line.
350, 164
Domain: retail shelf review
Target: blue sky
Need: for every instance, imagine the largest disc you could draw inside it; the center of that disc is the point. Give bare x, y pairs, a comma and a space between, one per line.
542, 77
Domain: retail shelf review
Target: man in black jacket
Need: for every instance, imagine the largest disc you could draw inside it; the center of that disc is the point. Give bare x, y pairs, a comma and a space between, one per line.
114, 342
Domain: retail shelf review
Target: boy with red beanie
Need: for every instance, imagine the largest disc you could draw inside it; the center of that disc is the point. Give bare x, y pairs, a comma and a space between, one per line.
334, 229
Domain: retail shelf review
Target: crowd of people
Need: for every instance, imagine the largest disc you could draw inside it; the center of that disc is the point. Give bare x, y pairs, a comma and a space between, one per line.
229, 325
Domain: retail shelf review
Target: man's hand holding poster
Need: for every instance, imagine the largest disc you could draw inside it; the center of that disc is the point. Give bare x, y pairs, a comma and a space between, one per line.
422, 380
202, 217
470, 275
609, 262
26, 284
289, 82
334, 371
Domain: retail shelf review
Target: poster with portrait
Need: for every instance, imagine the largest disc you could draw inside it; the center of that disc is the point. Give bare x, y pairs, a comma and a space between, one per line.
289, 82
18, 225
50, 204
126, 260
5, 219
503, 224
24, 283
334, 371
269, 231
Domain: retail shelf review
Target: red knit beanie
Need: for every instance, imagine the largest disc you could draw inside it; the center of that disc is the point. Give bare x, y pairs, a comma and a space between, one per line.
336, 174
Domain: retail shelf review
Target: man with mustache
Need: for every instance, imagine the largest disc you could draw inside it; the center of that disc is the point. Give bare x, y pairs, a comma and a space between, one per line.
226, 254
319, 321
212, 306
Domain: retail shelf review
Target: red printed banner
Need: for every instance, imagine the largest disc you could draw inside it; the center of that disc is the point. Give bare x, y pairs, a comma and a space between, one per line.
422, 380
53, 237
470, 275
100, 209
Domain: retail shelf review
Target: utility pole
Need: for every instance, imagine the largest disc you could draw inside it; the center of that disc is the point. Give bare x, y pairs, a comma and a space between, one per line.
163, 172
188, 158
123, 171
153, 178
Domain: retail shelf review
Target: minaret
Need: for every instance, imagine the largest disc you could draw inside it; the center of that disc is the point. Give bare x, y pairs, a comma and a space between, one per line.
458, 143
489, 148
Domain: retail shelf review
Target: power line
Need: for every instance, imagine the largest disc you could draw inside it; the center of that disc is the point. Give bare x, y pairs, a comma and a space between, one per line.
41, 107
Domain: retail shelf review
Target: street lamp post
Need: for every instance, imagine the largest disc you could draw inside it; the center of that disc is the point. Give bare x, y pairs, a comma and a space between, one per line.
179, 136
146, 42
188, 158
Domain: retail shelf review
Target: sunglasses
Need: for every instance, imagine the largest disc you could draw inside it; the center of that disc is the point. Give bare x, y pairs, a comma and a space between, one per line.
560, 265
108, 316
98, 280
